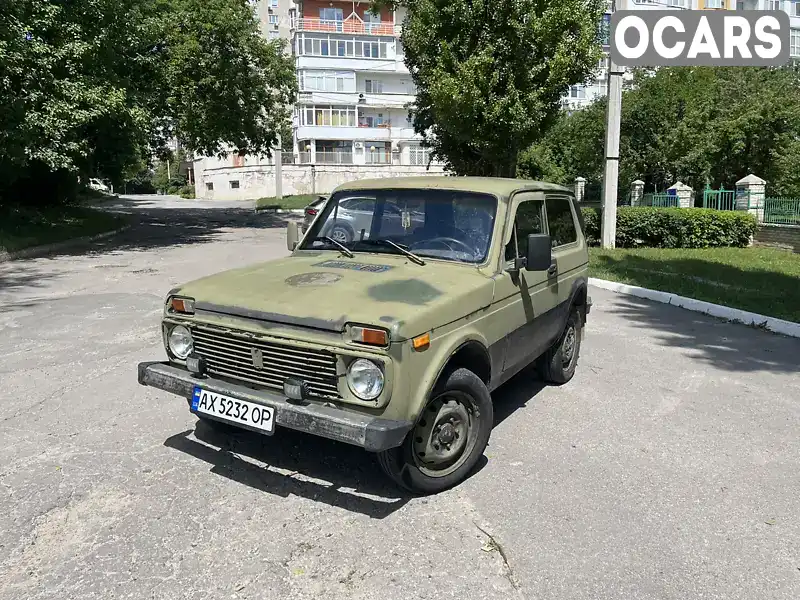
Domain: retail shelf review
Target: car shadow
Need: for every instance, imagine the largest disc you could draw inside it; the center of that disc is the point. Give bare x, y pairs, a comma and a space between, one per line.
516, 394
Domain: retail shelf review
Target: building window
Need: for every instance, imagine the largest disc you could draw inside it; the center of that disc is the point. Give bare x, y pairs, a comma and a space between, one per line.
235, 184
794, 42
273, 3
773, 4
274, 35
795, 11
319, 46
329, 116
331, 14
328, 81
714, 3
682, 3
273, 19
373, 86
372, 120
419, 156
577, 92
210, 186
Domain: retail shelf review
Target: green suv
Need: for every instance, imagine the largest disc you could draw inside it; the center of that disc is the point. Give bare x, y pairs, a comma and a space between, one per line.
394, 338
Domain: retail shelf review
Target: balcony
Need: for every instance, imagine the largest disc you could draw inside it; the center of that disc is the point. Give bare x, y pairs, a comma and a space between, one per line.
352, 25
327, 158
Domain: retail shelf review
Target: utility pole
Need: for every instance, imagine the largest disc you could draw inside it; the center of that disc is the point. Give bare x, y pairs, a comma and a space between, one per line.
279, 169
611, 177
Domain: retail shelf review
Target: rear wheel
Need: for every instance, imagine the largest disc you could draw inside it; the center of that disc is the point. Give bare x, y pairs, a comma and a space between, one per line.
558, 364
448, 439
342, 234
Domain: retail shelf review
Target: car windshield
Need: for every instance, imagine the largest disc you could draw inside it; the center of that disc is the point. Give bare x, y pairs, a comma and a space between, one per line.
443, 224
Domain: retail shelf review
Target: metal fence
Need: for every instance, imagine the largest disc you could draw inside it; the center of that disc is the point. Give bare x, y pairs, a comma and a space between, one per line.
782, 211
322, 157
721, 199
662, 200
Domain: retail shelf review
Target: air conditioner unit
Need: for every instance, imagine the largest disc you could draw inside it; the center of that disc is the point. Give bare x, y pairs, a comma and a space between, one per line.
358, 145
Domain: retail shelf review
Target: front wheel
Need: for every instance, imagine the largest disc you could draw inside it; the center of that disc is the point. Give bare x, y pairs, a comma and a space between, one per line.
448, 439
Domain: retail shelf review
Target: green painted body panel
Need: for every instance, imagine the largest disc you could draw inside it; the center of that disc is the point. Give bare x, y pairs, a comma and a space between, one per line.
308, 298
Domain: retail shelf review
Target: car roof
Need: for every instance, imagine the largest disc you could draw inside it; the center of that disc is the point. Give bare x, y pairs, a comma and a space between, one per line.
498, 186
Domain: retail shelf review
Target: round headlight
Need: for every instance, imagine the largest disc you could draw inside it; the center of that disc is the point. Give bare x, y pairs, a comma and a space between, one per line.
180, 342
365, 379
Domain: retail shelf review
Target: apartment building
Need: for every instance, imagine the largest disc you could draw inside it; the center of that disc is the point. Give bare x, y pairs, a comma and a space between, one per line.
582, 95
355, 89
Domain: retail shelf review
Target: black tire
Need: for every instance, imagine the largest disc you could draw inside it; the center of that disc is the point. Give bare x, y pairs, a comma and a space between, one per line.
344, 231
454, 390
558, 364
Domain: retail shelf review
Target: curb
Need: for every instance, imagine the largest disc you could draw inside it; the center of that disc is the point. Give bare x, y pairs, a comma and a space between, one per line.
715, 310
282, 211
38, 251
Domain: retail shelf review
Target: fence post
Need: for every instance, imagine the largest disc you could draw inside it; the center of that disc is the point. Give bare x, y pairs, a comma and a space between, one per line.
637, 192
750, 194
684, 193
580, 188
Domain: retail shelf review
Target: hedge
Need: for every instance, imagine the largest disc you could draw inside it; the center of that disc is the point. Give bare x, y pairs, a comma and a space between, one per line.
644, 226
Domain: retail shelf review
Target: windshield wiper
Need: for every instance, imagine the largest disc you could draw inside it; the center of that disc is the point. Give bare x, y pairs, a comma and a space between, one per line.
345, 250
402, 249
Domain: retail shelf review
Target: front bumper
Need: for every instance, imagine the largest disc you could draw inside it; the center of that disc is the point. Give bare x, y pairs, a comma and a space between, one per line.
371, 433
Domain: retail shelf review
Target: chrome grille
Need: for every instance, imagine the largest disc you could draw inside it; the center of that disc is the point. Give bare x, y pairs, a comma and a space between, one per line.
230, 354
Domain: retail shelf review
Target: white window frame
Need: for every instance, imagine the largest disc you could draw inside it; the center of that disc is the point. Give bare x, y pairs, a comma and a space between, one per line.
373, 86
794, 42
316, 45
773, 5
328, 116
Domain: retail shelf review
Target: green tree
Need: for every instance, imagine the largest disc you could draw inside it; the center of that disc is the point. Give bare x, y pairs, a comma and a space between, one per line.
490, 74
694, 124
92, 88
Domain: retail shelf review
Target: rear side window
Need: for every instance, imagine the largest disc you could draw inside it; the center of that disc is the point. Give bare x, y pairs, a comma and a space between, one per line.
561, 221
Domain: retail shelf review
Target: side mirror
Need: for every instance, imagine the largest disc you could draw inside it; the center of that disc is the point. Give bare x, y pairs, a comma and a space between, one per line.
293, 233
540, 252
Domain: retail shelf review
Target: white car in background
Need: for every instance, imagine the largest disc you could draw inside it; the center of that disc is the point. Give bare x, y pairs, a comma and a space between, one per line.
99, 186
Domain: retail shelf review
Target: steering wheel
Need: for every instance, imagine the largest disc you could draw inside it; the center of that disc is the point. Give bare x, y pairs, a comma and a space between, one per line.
444, 240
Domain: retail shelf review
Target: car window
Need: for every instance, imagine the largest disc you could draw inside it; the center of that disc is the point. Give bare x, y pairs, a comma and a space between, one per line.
446, 224
528, 220
560, 221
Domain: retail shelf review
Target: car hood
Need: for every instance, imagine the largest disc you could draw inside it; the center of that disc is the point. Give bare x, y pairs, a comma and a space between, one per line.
325, 291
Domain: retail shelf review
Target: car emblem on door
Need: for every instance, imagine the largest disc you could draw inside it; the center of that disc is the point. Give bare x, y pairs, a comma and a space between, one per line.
258, 359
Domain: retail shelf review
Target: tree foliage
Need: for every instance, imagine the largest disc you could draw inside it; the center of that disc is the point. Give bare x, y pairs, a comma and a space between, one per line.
490, 74
93, 88
694, 124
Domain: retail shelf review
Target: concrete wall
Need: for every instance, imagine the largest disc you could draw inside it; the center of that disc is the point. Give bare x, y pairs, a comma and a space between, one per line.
787, 236
258, 181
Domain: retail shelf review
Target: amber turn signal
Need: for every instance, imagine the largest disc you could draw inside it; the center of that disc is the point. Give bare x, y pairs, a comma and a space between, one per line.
183, 305
421, 342
373, 337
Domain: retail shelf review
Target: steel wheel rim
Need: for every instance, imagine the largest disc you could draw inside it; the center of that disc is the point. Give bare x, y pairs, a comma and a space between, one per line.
445, 434
568, 346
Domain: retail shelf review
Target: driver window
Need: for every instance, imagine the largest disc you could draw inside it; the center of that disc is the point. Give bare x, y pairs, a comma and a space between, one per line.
528, 220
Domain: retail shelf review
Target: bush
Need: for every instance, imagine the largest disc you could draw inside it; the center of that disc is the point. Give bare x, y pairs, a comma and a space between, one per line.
187, 192
675, 227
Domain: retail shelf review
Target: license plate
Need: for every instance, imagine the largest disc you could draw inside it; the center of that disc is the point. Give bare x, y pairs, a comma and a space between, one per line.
233, 410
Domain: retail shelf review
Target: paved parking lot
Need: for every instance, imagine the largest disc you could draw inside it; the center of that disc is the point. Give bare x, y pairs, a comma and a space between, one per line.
669, 468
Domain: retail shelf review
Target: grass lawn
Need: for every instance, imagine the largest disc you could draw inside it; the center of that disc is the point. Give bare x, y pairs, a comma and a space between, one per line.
287, 202
23, 227
760, 280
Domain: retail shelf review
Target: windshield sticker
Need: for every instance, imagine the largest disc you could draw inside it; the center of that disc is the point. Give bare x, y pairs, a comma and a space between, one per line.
340, 264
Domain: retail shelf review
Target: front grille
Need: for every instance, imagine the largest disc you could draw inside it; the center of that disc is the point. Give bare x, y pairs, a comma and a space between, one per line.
230, 355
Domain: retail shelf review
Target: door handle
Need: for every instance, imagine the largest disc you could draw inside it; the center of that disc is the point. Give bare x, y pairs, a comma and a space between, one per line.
553, 269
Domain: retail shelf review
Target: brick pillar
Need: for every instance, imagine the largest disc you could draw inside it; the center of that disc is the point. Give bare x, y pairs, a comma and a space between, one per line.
750, 194
580, 188
685, 194
637, 192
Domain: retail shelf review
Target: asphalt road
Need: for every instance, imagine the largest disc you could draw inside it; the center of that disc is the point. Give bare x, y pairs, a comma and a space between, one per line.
669, 468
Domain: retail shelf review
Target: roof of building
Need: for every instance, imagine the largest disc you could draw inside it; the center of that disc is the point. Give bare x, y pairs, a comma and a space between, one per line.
492, 185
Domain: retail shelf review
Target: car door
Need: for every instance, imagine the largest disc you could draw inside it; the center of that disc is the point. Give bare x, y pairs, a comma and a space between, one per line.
523, 298
569, 251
